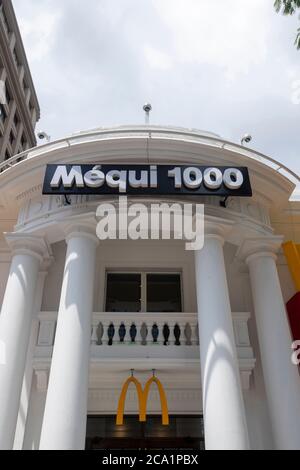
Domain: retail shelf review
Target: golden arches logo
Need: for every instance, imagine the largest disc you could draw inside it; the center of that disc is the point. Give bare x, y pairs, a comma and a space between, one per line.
143, 400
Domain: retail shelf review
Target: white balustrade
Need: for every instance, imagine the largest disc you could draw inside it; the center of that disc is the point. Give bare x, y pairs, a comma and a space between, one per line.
144, 346
100, 334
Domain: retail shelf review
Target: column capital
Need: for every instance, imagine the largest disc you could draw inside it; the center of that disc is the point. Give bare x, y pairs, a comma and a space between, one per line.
260, 247
81, 229
216, 228
24, 243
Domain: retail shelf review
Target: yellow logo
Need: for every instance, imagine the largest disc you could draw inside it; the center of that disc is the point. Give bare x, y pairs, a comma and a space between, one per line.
142, 400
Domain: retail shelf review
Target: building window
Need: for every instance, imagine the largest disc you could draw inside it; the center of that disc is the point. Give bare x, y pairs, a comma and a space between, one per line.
164, 293
15, 56
4, 20
23, 141
11, 137
16, 120
143, 292
7, 94
123, 292
3, 114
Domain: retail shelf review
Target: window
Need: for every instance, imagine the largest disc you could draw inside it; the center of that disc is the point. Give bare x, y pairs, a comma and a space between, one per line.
7, 94
3, 114
143, 292
11, 137
163, 293
123, 292
16, 120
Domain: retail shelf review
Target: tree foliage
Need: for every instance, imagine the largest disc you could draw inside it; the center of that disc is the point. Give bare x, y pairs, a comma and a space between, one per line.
289, 7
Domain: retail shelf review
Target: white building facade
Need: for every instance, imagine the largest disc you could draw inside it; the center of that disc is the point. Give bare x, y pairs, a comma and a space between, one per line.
79, 314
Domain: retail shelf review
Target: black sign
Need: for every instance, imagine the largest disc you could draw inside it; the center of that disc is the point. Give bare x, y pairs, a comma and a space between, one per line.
147, 180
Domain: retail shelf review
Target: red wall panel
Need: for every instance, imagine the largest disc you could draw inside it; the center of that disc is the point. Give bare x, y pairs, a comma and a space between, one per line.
293, 308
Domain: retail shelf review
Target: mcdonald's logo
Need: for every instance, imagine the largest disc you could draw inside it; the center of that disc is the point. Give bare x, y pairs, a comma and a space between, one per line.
143, 400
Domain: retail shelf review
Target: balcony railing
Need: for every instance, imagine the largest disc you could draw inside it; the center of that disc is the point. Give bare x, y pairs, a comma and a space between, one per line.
164, 337
142, 329
145, 329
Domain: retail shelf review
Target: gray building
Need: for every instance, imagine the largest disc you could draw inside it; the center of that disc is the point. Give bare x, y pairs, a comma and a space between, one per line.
19, 107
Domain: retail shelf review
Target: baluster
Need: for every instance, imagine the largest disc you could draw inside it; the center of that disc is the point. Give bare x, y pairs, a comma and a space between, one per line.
105, 333
133, 333
188, 332
111, 333
127, 339
166, 334
94, 338
138, 339
122, 333
177, 334
100, 333
155, 333
195, 334
144, 334
160, 326
172, 339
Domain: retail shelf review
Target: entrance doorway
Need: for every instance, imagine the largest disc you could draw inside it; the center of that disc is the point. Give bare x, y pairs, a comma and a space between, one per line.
183, 433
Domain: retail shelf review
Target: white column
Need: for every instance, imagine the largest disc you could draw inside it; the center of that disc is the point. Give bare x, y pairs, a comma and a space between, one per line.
282, 380
223, 406
64, 425
15, 327
36, 409
27, 380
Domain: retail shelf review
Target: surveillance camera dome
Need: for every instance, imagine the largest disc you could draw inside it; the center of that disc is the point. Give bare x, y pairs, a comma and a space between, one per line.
246, 139
42, 135
147, 108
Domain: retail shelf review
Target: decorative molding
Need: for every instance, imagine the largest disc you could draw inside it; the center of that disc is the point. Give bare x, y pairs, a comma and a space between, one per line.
29, 244
29, 192
42, 379
259, 245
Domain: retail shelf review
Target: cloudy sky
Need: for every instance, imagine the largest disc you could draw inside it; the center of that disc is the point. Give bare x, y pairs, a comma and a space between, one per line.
228, 66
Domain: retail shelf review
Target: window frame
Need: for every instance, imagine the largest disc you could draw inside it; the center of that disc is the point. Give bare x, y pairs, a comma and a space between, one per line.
143, 273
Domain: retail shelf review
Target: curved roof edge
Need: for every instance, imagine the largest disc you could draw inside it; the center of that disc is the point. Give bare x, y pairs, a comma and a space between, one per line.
192, 135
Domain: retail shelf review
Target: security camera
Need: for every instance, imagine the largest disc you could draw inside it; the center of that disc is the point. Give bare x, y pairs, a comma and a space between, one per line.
43, 136
246, 139
147, 108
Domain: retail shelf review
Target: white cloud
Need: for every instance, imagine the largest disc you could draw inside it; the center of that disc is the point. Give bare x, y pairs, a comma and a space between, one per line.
230, 34
40, 31
223, 65
157, 59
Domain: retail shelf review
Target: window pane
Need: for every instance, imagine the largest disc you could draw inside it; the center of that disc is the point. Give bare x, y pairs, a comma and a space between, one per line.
164, 293
123, 293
